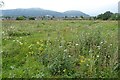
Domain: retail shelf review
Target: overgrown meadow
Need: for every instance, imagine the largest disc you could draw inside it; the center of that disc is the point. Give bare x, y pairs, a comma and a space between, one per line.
60, 49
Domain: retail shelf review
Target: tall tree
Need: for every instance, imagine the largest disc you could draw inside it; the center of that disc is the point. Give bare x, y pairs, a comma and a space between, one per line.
107, 15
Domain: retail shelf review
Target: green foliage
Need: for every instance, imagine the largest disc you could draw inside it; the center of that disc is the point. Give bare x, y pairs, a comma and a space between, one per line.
81, 17
62, 64
60, 49
114, 16
18, 33
107, 15
20, 18
31, 18
66, 16
7, 17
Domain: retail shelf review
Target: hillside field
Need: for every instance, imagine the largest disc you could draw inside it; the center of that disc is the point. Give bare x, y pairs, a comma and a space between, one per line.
59, 49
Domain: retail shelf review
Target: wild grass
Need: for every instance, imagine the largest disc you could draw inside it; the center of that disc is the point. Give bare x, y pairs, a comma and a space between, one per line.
60, 49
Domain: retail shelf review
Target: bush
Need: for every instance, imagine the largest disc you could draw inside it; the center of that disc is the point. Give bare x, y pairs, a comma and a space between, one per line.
20, 18
31, 18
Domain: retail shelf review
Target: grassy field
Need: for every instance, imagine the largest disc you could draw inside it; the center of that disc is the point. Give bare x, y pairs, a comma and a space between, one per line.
60, 49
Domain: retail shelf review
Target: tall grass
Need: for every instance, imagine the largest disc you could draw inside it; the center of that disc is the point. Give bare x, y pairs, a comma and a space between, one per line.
60, 49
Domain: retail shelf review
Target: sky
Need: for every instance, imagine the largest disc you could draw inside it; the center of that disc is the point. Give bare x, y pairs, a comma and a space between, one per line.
91, 7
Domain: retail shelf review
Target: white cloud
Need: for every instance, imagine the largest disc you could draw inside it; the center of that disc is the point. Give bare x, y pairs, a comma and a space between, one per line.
91, 7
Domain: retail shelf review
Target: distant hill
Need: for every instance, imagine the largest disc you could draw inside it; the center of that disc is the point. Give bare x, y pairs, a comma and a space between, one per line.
41, 12
75, 13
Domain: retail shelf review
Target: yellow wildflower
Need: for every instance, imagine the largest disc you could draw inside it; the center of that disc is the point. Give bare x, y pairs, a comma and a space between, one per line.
82, 61
38, 42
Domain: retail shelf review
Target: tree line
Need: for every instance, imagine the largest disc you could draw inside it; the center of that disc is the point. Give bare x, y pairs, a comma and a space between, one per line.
105, 16
109, 16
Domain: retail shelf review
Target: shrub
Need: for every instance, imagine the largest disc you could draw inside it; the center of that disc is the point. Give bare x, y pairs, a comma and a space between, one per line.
20, 18
31, 18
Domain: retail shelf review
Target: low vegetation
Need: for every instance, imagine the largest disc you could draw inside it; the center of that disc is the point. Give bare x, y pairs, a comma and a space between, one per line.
60, 49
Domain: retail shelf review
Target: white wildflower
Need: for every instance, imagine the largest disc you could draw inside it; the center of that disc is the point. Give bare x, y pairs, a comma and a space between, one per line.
101, 42
20, 43
65, 50
69, 56
1, 51
3, 32
87, 64
90, 51
98, 47
77, 44
17, 40
12, 67
20, 37
97, 56
13, 40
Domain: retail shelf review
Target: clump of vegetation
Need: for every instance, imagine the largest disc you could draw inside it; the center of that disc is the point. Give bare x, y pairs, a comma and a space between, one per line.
31, 18
61, 65
109, 15
18, 33
21, 18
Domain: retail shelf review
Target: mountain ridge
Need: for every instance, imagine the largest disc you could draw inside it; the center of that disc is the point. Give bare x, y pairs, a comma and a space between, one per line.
41, 12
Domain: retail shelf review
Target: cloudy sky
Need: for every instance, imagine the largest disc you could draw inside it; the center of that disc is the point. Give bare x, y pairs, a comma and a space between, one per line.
91, 7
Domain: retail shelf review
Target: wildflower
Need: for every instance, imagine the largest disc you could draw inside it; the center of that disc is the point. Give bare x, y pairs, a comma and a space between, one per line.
87, 64
101, 42
97, 56
77, 44
38, 42
13, 40
82, 61
69, 56
3, 32
90, 51
20, 43
64, 70
110, 44
82, 57
20, 37
17, 40
1, 51
98, 47
65, 50
12, 67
